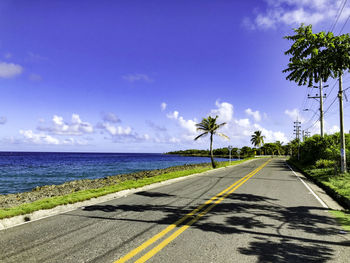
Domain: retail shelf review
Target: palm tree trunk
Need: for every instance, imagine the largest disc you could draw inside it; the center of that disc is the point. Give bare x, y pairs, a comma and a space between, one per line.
211, 151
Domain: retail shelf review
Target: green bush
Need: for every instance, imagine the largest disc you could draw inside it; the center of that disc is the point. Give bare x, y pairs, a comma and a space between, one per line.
322, 163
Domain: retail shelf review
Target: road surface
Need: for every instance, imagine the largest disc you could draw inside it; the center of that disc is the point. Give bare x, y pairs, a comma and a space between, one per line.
255, 212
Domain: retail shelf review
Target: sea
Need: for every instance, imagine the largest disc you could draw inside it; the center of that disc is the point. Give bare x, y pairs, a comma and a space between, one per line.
23, 171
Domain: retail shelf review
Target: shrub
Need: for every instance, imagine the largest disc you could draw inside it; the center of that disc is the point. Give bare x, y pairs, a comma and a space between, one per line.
322, 163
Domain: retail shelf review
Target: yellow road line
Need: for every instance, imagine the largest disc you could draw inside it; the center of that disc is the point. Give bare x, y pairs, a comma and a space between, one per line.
178, 232
150, 241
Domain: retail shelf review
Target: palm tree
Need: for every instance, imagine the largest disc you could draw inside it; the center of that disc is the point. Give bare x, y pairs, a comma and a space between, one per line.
257, 139
279, 147
209, 126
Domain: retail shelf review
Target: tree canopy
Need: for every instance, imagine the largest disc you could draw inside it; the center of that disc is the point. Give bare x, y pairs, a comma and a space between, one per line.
310, 59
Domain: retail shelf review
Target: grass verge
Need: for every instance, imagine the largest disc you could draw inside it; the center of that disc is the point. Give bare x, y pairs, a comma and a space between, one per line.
343, 218
336, 185
51, 202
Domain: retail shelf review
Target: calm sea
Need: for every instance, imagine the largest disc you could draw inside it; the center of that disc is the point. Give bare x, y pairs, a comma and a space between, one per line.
22, 171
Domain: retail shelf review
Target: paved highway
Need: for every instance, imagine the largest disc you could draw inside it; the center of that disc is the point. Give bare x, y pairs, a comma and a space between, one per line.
255, 212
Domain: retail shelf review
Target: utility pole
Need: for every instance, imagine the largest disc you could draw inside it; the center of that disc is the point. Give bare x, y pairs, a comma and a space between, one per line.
321, 109
321, 97
342, 137
297, 127
307, 134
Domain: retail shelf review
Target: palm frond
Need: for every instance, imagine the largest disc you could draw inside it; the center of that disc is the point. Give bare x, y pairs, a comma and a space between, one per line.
203, 134
223, 135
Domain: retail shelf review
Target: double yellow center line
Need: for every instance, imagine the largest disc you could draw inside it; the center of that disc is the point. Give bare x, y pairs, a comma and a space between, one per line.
195, 214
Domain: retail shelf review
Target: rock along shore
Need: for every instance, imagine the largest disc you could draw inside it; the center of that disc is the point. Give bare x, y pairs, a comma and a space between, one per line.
41, 192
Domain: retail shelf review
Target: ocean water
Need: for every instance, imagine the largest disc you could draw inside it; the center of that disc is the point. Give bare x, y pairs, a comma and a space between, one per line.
22, 171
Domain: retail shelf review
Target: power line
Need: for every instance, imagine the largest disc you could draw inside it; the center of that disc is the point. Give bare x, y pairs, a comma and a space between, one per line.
341, 30
311, 125
329, 93
330, 105
334, 101
341, 8
312, 118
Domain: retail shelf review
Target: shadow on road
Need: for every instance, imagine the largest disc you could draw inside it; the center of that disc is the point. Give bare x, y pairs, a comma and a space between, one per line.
153, 194
269, 223
286, 251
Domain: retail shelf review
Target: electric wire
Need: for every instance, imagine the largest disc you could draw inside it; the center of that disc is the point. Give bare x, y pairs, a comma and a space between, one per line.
341, 8
346, 21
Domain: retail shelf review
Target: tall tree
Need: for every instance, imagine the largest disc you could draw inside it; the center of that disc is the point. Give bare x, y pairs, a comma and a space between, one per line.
209, 126
279, 147
309, 61
316, 57
257, 139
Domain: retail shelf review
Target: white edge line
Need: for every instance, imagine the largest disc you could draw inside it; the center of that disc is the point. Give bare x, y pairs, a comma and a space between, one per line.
308, 187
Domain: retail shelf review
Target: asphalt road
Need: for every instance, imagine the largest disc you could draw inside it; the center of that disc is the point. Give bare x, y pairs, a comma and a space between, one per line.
268, 216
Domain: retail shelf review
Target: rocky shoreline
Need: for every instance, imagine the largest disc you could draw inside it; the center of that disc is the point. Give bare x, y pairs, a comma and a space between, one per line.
40, 192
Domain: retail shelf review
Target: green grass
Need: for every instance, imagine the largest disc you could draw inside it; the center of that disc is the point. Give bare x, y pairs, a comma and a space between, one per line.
343, 218
48, 203
340, 183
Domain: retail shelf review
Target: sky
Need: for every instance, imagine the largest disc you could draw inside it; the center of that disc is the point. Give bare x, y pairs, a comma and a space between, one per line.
136, 76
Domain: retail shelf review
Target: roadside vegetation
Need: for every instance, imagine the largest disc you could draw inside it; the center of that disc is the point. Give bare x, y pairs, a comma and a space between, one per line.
82, 195
314, 58
257, 139
319, 159
245, 152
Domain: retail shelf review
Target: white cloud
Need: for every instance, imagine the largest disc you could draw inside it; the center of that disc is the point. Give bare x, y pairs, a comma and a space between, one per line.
255, 114
238, 129
188, 125
333, 129
119, 133
271, 136
110, 117
245, 123
224, 111
9, 70
38, 138
75, 127
3, 119
116, 130
137, 77
42, 138
163, 106
173, 115
295, 12
294, 115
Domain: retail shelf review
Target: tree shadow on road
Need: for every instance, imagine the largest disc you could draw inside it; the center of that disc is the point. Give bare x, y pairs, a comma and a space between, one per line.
268, 222
286, 251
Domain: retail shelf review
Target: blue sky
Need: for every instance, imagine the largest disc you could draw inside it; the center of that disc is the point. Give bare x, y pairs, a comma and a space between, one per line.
135, 76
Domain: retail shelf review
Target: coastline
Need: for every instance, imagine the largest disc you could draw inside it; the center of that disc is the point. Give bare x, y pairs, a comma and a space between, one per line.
47, 198
46, 191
